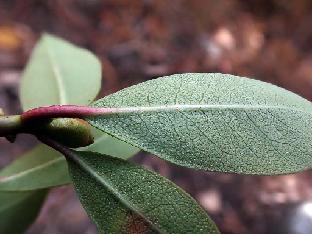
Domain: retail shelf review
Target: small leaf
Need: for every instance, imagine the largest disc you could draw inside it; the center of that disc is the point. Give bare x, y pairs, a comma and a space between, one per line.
214, 122
59, 73
39, 168
19, 209
121, 197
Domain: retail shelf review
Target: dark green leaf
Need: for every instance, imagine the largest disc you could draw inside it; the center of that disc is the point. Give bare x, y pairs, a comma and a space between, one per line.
121, 197
19, 209
214, 122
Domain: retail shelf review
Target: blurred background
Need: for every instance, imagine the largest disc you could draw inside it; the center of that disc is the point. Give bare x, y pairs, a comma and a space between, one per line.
137, 40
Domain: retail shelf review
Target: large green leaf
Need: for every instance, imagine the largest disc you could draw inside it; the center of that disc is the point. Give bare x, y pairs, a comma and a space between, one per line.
19, 209
59, 73
214, 122
122, 197
39, 168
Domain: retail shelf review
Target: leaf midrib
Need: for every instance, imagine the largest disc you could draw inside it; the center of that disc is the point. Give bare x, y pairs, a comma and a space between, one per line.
28, 171
59, 82
191, 107
109, 187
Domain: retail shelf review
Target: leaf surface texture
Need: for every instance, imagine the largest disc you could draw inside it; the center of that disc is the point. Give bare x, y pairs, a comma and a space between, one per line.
214, 122
122, 197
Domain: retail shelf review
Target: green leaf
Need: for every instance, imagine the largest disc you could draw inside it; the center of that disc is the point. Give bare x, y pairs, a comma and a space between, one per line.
19, 209
59, 73
109, 145
44, 168
39, 168
55, 60
122, 197
214, 122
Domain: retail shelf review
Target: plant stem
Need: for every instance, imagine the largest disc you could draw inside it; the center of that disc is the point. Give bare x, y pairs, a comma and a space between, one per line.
70, 132
10, 125
64, 111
